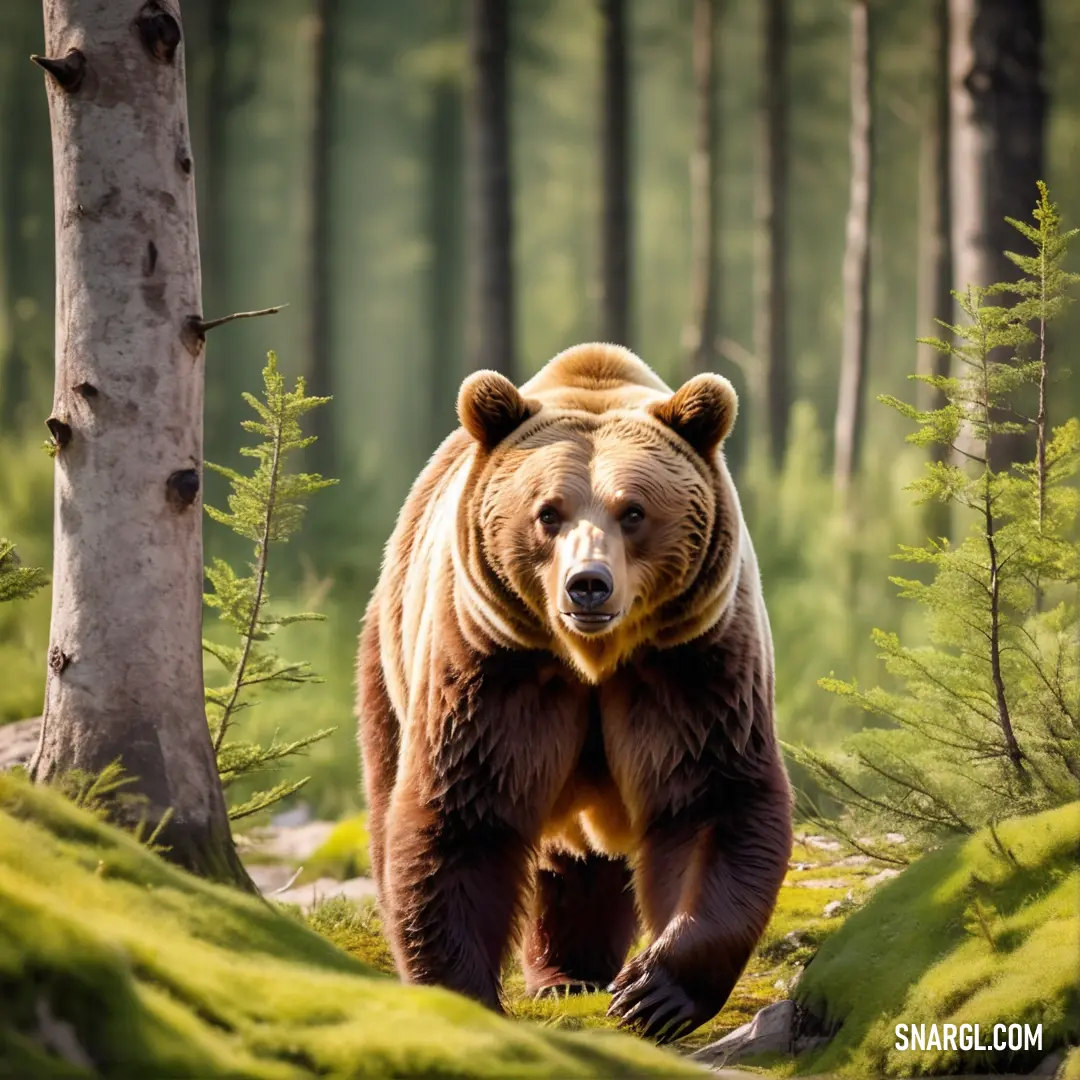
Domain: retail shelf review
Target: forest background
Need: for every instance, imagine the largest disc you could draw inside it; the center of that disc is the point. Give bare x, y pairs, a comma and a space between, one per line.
331, 148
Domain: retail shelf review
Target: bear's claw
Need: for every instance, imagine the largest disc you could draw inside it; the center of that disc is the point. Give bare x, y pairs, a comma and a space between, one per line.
652, 1004
565, 990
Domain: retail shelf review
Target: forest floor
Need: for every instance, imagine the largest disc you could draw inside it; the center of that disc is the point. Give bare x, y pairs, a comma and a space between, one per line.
113, 962
324, 864
955, 937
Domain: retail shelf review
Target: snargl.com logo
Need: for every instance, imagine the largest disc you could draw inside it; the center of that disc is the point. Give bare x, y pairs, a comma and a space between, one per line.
968, 1037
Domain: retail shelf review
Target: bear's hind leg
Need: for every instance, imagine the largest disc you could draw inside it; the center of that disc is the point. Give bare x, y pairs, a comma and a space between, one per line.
582, 921
378, 742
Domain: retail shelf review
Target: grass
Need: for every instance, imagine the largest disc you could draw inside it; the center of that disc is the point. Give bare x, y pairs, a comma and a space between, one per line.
1071, 1070
26, 520
976, 932
797, 927
115, 964
355, 927
917, 949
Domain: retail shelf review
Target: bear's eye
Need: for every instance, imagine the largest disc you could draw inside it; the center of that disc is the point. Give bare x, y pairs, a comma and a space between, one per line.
549, 517
632, 517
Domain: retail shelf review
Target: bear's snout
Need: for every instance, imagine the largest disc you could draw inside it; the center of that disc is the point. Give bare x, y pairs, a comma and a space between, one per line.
589, 586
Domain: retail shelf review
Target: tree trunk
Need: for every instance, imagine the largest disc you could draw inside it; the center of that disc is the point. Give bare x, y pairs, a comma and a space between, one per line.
850, 406
771, 212
998, 114
444, 226
935, 302
26, 266
323, 451
491, 263
125, 675
702, 327
220, 101
615, 168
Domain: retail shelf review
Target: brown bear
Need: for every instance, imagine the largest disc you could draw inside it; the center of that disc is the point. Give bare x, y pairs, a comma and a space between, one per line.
566, 698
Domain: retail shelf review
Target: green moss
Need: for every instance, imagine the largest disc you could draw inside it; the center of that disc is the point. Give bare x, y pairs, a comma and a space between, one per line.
342, 855
772, 968
976, 932
1071, 1070
355, 928
150, 972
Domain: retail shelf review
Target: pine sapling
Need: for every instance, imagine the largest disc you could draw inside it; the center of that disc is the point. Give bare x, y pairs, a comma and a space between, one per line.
987, 722
266, 507
17, 582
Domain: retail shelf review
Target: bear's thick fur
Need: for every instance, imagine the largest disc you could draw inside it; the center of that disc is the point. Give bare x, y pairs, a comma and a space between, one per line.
566, 698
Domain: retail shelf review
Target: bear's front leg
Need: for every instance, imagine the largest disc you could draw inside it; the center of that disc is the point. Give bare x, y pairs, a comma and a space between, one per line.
707, 878
453, 882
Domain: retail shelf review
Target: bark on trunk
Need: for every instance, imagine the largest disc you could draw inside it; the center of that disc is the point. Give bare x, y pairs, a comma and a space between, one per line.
125, 677
771, 212
615, 166
998, 114
854, 353
935, 302
26, 268
702, 326
323, 451
489, 189
220, 100
445, 184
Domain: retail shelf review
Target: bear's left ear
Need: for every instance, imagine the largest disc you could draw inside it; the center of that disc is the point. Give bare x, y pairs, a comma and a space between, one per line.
702, 411
490, 407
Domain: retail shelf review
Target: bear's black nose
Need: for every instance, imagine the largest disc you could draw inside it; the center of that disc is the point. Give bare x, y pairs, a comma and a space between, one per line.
589, 586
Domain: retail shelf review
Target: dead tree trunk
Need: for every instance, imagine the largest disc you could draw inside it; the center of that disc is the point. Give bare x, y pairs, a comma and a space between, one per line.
701, 328
934, 300
850, 406
771, 213
444, 226
26, 267
324, 450
490, 211
998, 127
615, 168
125, 676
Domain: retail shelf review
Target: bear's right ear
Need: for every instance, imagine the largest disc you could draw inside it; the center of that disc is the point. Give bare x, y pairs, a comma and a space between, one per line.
702, 411
490, 407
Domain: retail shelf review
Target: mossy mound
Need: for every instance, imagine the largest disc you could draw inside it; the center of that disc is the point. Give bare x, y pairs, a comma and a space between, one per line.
984, 931
342, 855
115, 964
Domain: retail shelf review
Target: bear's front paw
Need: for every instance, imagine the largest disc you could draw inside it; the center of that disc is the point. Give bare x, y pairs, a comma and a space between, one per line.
650, 1000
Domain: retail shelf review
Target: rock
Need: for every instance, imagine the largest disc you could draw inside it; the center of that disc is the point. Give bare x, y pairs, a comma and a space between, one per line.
789, 943
880, 876
18, 741
822, 843
270, 877
307, 896
291, 843
822, 883
1049, 1065
771, 1030
292, 818
839, 907
852, 860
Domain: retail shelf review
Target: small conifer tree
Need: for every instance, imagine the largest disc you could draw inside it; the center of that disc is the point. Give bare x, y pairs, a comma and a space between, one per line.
987, 721
17, 582
266, 507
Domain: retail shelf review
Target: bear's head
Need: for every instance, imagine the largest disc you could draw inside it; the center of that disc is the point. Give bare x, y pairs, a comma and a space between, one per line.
599, 514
